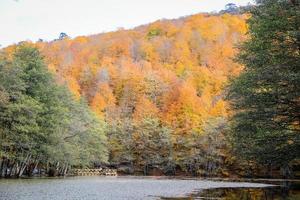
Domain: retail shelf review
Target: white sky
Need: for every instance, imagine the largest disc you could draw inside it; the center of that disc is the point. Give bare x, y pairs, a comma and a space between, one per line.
33, 19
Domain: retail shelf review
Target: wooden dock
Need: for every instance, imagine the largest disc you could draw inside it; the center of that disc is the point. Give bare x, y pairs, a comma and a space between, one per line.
95, 172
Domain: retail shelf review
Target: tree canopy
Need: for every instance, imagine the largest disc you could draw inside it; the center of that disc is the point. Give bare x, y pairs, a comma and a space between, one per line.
161, 84
266, 96
40, 121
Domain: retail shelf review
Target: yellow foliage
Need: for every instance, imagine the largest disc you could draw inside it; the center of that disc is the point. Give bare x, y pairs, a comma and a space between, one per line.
145, 109
187, 61
74, 87
184, 110
102, 100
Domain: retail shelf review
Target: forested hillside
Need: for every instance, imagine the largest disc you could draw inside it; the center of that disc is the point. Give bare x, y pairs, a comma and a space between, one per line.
160, 88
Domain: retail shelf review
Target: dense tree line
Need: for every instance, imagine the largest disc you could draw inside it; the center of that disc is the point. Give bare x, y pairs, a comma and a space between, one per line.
266, 96
42, 127
158, 93
160, 89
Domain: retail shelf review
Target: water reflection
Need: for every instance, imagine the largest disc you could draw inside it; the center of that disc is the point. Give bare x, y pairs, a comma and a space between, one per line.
286, 191
136, 188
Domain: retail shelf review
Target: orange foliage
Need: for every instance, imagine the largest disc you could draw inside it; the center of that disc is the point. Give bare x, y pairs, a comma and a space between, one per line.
145, 109
184, 109
175, 70
102, 100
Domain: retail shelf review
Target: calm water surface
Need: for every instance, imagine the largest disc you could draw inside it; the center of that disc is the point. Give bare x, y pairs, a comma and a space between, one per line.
115, 188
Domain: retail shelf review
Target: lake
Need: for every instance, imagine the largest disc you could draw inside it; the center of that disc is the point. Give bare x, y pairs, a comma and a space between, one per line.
95, 188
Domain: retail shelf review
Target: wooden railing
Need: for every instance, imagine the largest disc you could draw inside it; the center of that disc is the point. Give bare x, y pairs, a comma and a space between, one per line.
95, 172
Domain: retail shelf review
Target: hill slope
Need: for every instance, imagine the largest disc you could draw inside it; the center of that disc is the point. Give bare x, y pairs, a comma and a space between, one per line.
159, 87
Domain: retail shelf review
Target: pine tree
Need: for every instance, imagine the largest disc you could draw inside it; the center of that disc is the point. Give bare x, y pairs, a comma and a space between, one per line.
266, 96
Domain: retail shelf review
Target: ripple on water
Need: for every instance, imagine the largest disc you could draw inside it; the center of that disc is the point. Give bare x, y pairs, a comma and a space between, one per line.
95, 188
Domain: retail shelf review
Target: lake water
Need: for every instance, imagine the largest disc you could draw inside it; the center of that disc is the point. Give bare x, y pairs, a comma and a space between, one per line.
115, 188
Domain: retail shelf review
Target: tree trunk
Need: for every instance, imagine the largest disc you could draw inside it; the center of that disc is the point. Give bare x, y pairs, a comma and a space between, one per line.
66, 170
146, 170
24, 165
270, 170
286, 171
12, 168
6, 168
32, 169
2, 166
16, 169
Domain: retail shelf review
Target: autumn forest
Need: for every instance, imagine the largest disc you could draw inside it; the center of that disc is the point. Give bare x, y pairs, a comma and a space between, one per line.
159, 99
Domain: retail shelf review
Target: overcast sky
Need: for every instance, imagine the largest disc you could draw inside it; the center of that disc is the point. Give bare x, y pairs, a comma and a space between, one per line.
33, 19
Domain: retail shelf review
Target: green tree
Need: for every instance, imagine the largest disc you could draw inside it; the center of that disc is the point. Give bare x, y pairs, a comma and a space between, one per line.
40, 122
151, 145
265, 97
121, 142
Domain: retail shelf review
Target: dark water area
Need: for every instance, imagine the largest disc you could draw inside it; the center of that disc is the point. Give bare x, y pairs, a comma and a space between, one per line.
284, 190
136, 188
